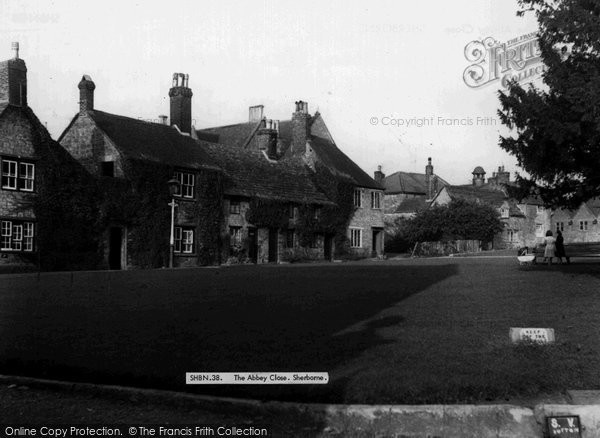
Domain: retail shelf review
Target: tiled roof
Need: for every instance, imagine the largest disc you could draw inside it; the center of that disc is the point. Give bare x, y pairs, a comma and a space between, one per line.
239, 135
156, 142
495, 198
232, 135
594, 205
412, 205
408, 182
339, 162
249, 174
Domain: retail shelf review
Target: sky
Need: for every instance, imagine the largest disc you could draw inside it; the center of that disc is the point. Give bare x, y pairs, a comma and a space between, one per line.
387, 76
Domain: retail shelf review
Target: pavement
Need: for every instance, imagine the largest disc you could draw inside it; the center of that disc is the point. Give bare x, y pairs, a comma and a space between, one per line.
25, 402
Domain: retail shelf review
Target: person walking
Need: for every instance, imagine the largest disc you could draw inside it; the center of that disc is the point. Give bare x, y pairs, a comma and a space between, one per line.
550, 249
560, 248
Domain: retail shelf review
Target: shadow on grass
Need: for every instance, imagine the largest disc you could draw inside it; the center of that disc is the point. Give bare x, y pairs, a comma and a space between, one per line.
150, 328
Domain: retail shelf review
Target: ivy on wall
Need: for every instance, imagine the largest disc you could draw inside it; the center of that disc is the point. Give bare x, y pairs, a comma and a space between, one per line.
266, 213
334, 219
210, 218
66, 210
140, 203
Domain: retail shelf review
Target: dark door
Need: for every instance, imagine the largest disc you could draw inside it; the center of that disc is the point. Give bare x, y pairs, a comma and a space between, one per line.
252, 244
273, 245
115, 240
328, 247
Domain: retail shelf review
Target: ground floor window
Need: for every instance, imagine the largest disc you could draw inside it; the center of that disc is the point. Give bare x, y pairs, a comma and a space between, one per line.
560, 226
539, 230
184, 240
512, 235
16, 236
289, 239
236, 235
355, 237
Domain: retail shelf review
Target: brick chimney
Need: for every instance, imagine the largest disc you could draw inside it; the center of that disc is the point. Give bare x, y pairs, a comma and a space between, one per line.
86, 94
379, 175
13, 79
266, 137
181, 103
255, 113
429, 179
300, 120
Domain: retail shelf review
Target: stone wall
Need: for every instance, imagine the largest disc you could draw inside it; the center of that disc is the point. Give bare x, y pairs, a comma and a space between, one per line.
367, 218
16, 140
88, 145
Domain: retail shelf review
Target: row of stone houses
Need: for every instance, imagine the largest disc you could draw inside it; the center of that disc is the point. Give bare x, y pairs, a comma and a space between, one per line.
263, 190
525, 221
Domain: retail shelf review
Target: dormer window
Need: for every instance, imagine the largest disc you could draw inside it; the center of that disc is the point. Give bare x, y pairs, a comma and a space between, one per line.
234, 207
317, 212
504, 212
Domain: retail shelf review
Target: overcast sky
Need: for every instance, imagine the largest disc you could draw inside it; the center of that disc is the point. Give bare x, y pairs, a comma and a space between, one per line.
361, 64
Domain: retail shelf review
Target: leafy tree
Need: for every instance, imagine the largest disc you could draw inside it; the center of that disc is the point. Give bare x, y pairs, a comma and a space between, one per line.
556, 128
459, 220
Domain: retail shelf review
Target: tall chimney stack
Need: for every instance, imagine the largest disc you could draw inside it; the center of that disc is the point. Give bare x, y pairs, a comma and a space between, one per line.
429, 179
86, 94
300, 119
13, 79
379, 175
181, 103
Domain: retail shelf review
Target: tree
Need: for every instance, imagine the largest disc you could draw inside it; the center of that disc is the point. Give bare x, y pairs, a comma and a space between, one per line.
459, 220
556, 130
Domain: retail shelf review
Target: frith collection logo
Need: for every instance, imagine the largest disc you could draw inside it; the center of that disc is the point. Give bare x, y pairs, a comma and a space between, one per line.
493, 61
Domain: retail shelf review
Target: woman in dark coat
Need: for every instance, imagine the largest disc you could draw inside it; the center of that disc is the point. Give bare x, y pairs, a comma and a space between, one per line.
560, 248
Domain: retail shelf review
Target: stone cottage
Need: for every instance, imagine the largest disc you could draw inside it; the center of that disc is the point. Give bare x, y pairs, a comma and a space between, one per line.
282, 160
260, 191
20, 134
408, 192
580, 225
525, 221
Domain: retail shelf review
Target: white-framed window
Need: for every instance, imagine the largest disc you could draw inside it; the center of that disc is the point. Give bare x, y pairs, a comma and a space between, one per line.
541, 209
17, 175
512, 235
236, 235
560, 226
184, 240
376, 200
539, 230
504, 212
234, 207
16, 236
583, 225
355, 237
187, 183
358, 198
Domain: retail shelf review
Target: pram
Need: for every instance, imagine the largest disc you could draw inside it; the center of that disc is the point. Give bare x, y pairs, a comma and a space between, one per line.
525, 257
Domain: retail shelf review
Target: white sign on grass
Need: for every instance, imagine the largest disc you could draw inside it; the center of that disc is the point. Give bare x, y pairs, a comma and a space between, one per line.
541, 335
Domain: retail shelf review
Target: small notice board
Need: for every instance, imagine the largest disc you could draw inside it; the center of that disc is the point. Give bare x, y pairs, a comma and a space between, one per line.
565, 426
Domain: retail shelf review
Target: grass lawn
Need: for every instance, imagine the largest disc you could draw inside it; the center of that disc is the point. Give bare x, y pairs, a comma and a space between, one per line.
409, 331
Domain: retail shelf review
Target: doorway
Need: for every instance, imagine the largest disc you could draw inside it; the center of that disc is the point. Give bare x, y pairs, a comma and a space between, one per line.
115, 248
252, 244
273, 245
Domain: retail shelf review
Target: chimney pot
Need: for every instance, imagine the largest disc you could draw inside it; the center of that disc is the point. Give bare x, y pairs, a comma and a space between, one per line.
15, 49
181, 103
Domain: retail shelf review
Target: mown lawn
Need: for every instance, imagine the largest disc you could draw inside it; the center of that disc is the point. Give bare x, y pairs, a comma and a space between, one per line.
410, 331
